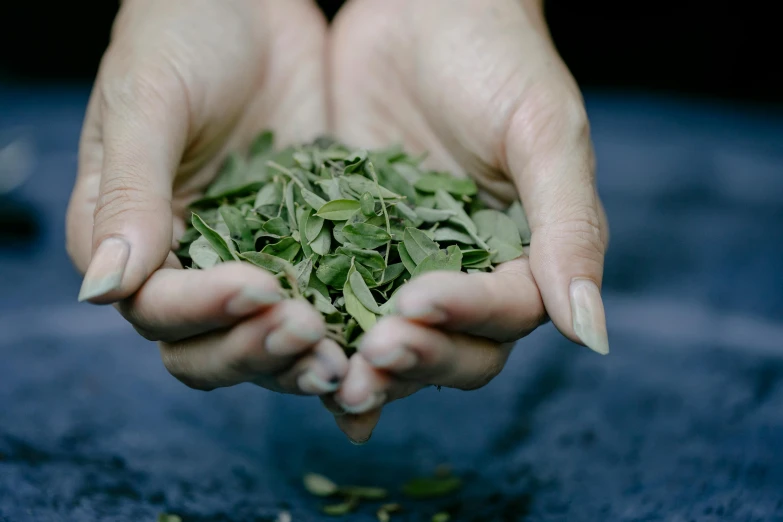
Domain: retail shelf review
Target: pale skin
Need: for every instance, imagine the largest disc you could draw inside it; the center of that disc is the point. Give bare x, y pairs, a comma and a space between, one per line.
476, 83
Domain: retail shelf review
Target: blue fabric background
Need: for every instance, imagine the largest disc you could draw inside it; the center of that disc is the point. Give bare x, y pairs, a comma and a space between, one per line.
683, 421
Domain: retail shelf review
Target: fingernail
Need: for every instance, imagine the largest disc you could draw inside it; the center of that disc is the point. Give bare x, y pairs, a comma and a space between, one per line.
280, 341
424, 313
587, 310
250, 300
360, 442
311, 382
372, 402
400, 358
106, 269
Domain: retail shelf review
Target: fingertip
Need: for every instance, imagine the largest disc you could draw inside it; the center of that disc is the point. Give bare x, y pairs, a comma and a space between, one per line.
104, 277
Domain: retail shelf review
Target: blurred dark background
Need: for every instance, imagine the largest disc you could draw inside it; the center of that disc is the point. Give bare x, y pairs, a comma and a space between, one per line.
693, 48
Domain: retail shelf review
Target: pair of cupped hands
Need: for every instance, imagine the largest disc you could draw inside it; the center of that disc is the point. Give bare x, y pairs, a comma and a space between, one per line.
476, 83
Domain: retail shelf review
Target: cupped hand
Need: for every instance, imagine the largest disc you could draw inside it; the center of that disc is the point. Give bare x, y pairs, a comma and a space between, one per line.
480, 86
183, 83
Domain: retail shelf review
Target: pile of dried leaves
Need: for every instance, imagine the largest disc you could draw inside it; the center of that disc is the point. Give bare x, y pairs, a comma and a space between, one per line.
345, 228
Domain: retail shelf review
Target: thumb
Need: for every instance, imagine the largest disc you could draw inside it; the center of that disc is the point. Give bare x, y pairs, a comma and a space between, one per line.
143, 120
551, 157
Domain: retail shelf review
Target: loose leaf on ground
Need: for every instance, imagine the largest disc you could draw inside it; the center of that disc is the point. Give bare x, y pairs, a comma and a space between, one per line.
319, 485
431, 487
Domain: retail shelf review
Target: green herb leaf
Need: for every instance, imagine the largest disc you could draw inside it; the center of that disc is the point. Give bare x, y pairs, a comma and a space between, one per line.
339, 209
450, 259
277, 226
322, 242
365, 317
431, 487
312, 199
448, 235
268, 262
319, 485
504, 251
362, 292
431, 183
369, 258
286, 248
366, 236
303, 271
342, 508
215, 239
367, 204
405, 257
418, 244
333, 270
494, 224
203, 254
167, 517
517, 214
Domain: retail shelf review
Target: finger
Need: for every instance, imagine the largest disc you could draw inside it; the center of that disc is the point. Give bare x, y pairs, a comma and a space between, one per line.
251, 351
504, 305
144, 120
175, 304
550, 155
359, 428
419, 353
319, 373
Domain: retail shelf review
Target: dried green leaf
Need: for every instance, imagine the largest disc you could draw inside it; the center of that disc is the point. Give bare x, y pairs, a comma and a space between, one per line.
304, 270
367, 204
476, 258
493, 224
312, 199
342, 508
418, 244
287, 248
290, 206
312, 226
449, 259
504, 251
203, 254
322, 242
410, 264
339, 209
433, 182
364, 492
369, 258
168, 517
389, 274
333, 270
517, 214
449, 235
277, 226
269, 262
364, 235
365, 317
362, 292
358, 185
319, 485
215, 239
444, 201
433, 215
431, 487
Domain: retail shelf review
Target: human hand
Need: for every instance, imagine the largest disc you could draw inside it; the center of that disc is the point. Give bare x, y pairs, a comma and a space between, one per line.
480, 85
181, 84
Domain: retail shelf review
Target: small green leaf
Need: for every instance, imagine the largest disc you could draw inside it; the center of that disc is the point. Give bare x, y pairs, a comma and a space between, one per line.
449, 259
268, 262
237, 226
303, 271
406, 259
342, 508
369, 258
504, 251
286, 248
448, 235
319, 485
289, 205
367, 204
391, 273
441, 517
476, 258
358, 185
364, 492
517, 214
444, 201
366, 236
203, 254
493, 224
356, 309
270, 194
418, 244
431, 487
277, 226
322, 242
362, 292
168, 517
312, 199
339, 209
331, 188
433, 215
431, 183
333, 270
408, 213
313, 226
215, 239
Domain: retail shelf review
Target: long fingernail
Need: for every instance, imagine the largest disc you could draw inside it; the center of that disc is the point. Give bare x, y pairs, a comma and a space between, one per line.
106, 269
250, 300
589, 319
424, 313
372, 402
291, 335
310, 382
400, 359
360, 442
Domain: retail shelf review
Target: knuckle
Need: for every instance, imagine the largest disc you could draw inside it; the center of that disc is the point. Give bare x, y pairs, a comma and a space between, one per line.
581, 234
131, 86
121, 194
491, 367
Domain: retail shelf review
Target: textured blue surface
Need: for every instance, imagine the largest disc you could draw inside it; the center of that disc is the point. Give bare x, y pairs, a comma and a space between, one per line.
684, 421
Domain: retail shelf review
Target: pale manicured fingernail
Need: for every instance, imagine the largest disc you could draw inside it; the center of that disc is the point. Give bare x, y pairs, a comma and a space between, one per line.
250, 300
372, 402
587, 310
400, 359
310, 382
106, 269
281, 341
424, 313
